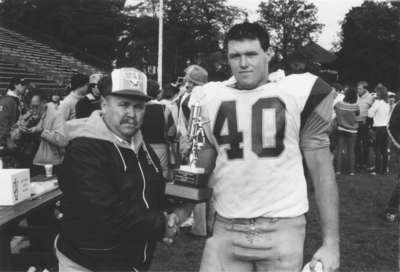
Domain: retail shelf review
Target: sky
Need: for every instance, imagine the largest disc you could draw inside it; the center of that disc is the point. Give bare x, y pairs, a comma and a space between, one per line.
330, 13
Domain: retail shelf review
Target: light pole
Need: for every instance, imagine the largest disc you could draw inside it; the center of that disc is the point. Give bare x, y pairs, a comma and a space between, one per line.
160, 43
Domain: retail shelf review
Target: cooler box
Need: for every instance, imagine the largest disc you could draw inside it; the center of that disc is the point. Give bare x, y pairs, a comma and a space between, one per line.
14, 186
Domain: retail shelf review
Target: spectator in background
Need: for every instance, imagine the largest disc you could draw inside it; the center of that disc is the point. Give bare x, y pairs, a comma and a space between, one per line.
92, 100
158, 127
339, 90
365, 100
79, 87
54, 100
28, 142
168, 95
393, 127
195, 75
10, 110
49, 150
347, 125
380, 111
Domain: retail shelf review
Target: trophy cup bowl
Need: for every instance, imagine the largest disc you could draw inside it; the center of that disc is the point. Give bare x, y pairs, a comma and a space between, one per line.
190, 182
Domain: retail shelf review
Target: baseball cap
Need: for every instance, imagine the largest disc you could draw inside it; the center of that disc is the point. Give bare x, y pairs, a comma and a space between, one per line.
196, 74
94, 78
129, 81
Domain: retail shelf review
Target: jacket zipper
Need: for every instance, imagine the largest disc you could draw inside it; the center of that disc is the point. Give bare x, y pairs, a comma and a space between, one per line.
145, 202
151, 159
143, 192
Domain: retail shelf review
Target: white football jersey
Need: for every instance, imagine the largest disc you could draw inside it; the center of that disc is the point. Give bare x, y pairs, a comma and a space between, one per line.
257, 134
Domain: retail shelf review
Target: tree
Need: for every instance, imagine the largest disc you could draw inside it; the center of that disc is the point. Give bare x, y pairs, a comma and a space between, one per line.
192, 29
370, 45
291, 24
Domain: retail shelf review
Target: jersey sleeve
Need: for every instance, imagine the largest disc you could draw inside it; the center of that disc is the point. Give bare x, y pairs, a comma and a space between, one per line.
316, 117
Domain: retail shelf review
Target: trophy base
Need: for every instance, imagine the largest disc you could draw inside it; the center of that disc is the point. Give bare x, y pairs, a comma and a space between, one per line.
191, 177
188, 193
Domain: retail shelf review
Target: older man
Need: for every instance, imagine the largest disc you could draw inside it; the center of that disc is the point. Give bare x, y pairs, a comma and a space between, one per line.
113, 186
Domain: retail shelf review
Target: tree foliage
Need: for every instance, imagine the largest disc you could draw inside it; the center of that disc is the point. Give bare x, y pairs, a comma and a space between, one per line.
192, 29
291, 23
370, 46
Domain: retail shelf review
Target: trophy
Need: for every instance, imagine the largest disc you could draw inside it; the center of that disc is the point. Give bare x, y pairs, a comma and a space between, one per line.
189, 181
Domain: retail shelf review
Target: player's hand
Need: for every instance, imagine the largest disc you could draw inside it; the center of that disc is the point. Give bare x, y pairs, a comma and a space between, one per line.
329, 256
171, 229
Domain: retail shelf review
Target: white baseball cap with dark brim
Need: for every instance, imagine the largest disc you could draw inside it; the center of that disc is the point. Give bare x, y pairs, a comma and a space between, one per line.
94, 78
129, 82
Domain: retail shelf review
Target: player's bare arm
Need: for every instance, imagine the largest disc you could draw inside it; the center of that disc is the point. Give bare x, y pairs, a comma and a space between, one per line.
326, 193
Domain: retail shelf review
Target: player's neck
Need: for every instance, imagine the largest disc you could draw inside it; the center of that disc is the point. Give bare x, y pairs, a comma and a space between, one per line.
261, 83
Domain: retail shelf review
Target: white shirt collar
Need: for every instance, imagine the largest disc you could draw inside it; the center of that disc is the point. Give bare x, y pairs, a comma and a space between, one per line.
136, 141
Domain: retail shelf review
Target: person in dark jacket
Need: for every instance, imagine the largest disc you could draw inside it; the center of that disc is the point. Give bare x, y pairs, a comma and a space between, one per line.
92, 100
10, 110
158, 127
112, 184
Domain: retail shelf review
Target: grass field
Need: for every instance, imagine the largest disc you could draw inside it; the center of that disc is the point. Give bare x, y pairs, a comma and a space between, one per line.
368, 243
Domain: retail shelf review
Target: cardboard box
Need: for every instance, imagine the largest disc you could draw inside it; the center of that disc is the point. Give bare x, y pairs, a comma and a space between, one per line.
14, 186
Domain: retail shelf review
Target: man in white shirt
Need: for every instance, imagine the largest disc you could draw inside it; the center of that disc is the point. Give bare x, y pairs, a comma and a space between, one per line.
365, 100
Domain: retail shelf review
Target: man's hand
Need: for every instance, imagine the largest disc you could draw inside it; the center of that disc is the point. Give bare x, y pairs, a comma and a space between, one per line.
329, 256
23, 129
171, 229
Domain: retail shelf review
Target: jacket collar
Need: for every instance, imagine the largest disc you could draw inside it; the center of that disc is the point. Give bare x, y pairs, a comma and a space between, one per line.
94, 127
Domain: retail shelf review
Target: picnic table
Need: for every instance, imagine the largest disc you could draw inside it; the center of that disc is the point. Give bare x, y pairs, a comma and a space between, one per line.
10, 216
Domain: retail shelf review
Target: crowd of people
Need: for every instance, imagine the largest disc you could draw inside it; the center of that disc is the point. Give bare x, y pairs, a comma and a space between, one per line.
360, 140
361, 118
116, 138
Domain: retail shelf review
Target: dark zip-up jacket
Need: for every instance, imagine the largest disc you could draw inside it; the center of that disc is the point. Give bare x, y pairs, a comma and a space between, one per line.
112, 200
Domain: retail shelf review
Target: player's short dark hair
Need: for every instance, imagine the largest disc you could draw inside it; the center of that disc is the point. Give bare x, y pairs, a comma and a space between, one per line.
250, 31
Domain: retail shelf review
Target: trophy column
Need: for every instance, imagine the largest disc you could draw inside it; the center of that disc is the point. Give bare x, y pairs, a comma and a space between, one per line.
189, 181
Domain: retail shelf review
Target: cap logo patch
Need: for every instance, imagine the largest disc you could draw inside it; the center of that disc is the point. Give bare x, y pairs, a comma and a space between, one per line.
133, 78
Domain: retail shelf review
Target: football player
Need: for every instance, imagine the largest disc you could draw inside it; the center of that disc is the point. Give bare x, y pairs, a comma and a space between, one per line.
258, 133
